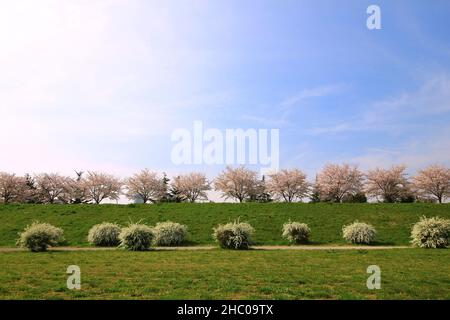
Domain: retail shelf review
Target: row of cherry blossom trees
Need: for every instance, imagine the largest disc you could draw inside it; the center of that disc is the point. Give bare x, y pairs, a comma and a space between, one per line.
95, 187
334, 183
338, 183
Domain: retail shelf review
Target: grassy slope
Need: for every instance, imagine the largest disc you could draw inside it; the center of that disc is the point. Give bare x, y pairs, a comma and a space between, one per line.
221, 274
393, 221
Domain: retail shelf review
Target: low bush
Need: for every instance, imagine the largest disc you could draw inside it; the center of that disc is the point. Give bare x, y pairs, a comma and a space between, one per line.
169, 233
39, 236
234, 235
431, 233
136, 237
359, 232
105, 234
296, 232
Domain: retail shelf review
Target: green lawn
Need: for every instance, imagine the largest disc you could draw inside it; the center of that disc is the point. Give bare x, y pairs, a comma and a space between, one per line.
221, 274
392, 221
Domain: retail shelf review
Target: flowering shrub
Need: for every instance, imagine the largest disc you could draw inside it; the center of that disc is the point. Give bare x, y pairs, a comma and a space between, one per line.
234, 235
105, 234
431, 233
169, 233
39, 236
296, 232
359, 232
136, 237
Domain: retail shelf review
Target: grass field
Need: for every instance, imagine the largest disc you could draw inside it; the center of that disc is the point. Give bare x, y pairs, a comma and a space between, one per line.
221, 274
392, 221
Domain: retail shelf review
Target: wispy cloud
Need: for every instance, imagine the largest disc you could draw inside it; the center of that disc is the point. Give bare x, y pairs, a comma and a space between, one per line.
332, 129
316, 92
432, 98
396, 114
268, 121
417, 153
280, 114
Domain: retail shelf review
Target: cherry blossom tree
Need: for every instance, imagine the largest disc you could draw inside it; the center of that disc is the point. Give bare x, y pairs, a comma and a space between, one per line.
12, 187
145, 186
30, 194
236, 183
388, 184
288, 184
260, 192
336, 181
100, 186
433, 181
192, 186
52, 186
78, 193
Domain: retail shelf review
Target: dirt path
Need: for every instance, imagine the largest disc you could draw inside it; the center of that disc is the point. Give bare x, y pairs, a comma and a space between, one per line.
194, 248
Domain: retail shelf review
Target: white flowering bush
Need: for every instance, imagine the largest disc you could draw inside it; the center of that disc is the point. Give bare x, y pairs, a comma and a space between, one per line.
105, 234
431, 233
359, 232
234, 235
136, 237
39, 236
169, 233
296, 232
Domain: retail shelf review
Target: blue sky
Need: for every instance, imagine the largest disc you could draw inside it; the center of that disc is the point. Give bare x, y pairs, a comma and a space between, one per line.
102, 84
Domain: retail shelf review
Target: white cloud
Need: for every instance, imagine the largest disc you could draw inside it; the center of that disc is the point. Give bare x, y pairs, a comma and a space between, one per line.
284, 109
281, 121
418, 153
316, 92
401, 113
432, 98
333, 129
